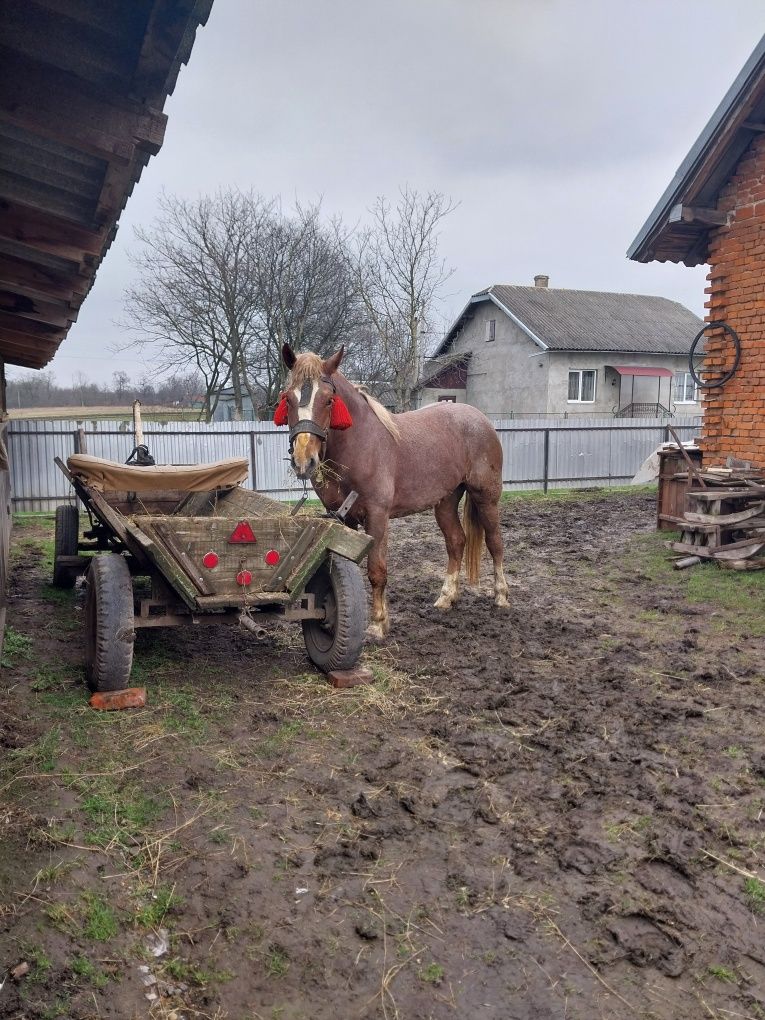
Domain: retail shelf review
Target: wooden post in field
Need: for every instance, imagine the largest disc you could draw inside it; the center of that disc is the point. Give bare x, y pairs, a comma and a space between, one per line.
137, 425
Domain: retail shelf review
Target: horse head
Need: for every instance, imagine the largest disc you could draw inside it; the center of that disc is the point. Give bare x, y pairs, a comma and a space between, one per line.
311, 407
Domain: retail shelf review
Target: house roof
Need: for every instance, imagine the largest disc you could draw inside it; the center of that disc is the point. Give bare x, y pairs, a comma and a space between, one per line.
678, 228
82, 86
589, 320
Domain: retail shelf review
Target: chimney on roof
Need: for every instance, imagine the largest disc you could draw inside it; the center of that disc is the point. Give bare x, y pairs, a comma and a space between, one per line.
540, 280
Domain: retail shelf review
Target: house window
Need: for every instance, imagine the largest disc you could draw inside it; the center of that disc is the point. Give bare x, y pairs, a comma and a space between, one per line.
581, 386
686, 391
447, 400
491, 329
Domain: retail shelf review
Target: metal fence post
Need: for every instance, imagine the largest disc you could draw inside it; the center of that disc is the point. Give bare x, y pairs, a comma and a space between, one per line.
253, 451
545, 479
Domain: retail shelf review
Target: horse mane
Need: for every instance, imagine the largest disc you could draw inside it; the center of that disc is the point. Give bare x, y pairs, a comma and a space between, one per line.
309, 366
382, 414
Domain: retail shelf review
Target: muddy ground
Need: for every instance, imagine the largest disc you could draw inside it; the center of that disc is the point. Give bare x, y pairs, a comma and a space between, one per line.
554, 811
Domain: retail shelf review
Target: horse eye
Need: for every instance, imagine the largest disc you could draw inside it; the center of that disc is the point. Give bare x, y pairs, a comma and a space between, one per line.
329, 402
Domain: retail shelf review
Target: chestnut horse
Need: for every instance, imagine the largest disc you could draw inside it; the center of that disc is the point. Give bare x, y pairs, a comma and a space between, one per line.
398, 464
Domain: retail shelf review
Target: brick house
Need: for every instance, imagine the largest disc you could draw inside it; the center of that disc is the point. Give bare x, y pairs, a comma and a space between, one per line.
545, 350
714, 212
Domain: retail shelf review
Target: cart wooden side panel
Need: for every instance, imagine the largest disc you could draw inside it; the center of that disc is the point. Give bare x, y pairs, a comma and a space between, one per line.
198, 558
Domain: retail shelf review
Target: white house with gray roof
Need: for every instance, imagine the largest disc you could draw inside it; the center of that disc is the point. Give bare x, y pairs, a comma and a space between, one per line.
547, 351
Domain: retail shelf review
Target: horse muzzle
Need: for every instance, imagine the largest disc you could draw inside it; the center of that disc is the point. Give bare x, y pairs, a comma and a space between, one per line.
307, 441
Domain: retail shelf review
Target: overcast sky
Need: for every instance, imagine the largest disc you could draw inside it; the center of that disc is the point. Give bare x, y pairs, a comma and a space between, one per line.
555, 126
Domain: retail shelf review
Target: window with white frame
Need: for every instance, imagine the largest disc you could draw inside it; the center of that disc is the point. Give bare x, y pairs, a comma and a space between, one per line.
491, 329
686, 391
581, 386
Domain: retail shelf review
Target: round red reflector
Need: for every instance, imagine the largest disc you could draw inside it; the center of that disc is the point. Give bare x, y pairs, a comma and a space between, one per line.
272, 557
244, 577
210, 560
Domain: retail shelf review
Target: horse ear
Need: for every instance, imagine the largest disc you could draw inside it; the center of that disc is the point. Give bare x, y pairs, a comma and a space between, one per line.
289, 356
332, 364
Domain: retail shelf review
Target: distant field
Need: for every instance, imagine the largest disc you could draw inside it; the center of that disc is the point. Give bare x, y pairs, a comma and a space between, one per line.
148, 413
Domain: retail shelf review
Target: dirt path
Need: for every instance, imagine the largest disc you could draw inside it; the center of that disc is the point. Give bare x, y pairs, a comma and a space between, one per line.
552, 812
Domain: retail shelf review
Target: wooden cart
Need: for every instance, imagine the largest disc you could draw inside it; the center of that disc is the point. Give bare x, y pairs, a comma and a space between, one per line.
213, 552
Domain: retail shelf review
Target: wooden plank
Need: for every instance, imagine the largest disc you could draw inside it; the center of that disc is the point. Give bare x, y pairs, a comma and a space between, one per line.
726, 519
354, 545
260, 598
738, 551
51, 234
709, 495
156, 555
292, 560
164, 531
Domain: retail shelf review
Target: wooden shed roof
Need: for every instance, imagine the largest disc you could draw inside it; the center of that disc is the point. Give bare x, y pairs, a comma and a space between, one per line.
82, 87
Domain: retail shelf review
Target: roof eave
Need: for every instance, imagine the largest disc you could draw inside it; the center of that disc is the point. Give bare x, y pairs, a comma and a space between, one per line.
705, 169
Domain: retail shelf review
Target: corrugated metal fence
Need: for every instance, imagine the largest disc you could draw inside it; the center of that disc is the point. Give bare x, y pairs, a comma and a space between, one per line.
537, 454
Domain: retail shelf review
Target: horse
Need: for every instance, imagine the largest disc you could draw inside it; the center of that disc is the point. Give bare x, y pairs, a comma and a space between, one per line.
342, 439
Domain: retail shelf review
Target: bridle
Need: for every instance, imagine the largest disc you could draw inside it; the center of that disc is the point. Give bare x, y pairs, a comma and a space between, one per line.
308, 425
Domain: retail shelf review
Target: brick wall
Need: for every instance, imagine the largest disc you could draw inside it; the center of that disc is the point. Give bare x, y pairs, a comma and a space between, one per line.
734, 415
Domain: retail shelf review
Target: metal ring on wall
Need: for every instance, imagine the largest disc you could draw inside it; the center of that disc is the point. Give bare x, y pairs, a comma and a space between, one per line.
730, 332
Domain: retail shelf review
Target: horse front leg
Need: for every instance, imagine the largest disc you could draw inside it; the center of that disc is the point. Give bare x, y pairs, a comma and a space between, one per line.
377, 572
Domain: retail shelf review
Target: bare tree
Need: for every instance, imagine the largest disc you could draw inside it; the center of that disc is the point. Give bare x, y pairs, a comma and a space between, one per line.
306, 292
400, 275
196, 297
227, 280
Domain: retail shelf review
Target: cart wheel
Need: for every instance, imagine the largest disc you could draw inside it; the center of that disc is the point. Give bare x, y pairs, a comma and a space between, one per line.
335, 642
65, 544
109, 624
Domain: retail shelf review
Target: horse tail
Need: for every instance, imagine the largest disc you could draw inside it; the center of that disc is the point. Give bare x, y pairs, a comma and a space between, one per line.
474, 537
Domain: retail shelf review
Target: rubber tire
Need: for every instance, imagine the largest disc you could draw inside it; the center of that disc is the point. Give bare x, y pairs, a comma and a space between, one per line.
336, 643
66, 543
109, 624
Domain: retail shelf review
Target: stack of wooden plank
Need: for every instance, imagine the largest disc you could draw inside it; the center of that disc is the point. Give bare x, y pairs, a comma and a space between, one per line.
724, 520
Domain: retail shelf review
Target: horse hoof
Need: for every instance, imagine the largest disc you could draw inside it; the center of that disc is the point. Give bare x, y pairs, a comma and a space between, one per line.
443, 603
501, 602
375, 632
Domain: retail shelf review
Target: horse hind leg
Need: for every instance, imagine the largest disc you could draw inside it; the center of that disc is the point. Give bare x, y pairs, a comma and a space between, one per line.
487, 511
448, 519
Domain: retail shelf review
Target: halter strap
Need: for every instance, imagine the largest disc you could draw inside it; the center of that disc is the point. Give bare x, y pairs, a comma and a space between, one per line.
308, 425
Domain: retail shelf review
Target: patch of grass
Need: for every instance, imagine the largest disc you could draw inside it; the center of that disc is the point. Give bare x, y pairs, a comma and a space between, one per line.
15, 646
574, 495
41, 755
282, 736
163, 901
755, 894
722, 973
115, 816
60, 597
193, 974
38, 960
99, 920
633, 826
277, 962
734, 751
433, 974
83, 968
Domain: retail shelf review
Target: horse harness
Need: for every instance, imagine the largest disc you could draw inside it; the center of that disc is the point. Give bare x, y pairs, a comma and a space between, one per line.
308, 424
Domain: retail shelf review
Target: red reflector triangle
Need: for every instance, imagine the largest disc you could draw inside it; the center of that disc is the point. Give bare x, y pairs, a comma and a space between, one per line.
242, 533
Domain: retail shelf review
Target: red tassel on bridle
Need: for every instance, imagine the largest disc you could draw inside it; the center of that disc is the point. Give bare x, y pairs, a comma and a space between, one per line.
341, 416
280, 414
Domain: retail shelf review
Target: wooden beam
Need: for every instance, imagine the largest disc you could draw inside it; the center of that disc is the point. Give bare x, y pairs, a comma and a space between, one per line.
59, 314
50, 234
45, 101
25, 331
698, 216
38, 282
